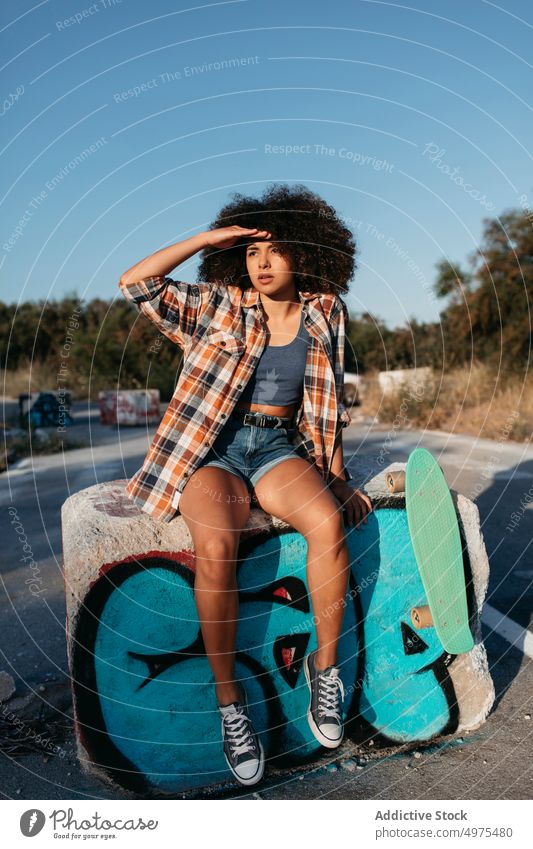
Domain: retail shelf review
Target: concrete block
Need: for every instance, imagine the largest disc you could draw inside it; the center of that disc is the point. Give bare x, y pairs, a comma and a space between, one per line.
144, 704
129, 406
412, 378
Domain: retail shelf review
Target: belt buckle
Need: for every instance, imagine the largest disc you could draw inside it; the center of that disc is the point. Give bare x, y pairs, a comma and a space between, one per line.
254, 418
262, 419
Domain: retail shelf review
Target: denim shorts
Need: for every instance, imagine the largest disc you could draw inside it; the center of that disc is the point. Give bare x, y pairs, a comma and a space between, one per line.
249, 451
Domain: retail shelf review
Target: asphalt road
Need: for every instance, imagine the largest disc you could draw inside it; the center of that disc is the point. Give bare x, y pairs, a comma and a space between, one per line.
491, 763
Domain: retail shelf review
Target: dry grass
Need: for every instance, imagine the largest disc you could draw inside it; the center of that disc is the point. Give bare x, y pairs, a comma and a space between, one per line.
472, 400
31, 378
41, 377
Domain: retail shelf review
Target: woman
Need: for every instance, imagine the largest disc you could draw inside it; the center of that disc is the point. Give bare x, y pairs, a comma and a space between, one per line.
257, 415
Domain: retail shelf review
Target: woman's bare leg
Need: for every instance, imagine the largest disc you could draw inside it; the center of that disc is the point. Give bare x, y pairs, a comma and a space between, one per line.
295, 492
215, 505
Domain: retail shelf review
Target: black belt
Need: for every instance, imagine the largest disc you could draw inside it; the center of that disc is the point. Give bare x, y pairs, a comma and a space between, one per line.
262, 419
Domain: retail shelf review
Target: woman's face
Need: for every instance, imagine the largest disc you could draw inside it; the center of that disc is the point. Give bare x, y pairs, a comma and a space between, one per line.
269, 270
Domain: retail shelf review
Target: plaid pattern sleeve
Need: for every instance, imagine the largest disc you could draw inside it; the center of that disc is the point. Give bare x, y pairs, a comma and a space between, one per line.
172, 305
338, 340
338, 336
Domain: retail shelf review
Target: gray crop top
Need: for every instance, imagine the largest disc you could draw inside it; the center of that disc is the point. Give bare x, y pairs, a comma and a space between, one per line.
279, 374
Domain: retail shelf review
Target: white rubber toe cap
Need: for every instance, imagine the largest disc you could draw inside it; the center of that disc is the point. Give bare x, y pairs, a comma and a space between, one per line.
331, 731
248, 770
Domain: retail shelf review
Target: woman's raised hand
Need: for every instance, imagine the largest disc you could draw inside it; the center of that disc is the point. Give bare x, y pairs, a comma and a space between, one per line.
225, 237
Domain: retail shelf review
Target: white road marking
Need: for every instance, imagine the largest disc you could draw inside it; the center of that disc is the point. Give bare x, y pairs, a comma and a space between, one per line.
519, 637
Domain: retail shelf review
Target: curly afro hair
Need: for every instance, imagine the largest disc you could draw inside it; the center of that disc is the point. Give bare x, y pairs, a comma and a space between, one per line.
305, 228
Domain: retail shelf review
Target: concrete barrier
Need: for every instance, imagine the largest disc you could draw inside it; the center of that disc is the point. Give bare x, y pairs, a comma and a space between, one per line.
412, 378
129, 406
144, 704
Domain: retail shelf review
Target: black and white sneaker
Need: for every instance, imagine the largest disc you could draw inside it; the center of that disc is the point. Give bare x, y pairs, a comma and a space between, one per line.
242, 747
325, 704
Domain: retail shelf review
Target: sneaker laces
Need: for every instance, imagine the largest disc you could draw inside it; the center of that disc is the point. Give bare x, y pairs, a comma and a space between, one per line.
329, 687
238, 733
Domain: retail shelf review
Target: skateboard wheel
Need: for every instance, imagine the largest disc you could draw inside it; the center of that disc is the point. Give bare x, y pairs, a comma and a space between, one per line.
396, 481
421, 617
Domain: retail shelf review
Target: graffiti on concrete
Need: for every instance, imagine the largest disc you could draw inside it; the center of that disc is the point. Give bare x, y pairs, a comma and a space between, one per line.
144, 695
406, 693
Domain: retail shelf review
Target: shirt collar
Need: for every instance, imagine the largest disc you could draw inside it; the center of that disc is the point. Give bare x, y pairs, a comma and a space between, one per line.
250, 297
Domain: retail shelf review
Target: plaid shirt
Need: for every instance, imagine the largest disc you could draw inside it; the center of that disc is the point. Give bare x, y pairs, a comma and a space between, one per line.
221, 329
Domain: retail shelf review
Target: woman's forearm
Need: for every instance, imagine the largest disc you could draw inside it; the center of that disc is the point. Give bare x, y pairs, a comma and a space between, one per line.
163, 261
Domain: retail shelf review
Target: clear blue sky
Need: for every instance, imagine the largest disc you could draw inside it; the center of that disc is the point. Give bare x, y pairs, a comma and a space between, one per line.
115, 143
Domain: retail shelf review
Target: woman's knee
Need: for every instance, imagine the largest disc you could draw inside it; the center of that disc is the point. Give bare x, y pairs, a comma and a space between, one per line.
216, 558
327, 531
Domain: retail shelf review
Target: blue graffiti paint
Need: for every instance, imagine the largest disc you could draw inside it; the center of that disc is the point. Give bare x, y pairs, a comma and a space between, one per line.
155, 685
165, 726
402, 695
268, 625
144, 690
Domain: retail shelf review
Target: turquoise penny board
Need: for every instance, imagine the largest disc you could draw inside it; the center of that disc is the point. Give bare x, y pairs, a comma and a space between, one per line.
437, 546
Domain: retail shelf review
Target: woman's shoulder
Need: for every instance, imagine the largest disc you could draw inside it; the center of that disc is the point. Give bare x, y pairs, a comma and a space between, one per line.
333, 304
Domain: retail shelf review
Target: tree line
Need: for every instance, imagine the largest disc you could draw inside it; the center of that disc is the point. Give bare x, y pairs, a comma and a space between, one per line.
486, 317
